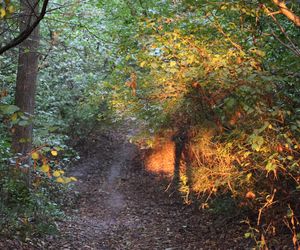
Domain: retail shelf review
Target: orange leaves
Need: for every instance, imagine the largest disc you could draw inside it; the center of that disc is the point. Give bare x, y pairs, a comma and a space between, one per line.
250, 195
235, 117
3, 93
279, 148
131, 83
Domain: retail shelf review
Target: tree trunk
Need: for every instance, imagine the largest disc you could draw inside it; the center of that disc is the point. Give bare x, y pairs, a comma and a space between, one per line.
26, 76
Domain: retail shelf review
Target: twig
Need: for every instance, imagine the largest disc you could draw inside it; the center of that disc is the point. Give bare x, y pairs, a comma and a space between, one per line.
267, 204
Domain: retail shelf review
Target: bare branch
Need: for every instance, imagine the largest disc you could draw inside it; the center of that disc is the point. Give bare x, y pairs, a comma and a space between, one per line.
296, 52
24, 34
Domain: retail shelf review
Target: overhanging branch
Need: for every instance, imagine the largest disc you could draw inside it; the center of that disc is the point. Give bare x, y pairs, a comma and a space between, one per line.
26, 33
287, 12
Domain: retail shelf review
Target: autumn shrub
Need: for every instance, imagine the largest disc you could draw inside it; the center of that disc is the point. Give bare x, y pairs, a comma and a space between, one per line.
255, 158
215, 169
238, 104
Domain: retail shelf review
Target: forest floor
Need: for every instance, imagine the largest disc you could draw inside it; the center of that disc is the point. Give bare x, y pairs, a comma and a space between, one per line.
120, 205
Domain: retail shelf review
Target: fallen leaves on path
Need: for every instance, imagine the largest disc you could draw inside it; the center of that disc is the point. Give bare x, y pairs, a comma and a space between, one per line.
122, 206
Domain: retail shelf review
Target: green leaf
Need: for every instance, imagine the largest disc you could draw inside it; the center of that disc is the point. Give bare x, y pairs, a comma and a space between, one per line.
23, 123
46, 149
230, 103
9, 109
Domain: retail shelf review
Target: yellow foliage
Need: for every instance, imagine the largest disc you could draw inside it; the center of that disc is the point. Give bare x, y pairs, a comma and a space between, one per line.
249, 176
11, 9
60, 180
14, 117
5, 11
172, 64
142, 64
54, 152
56, 173
73, 178
2, 12
213, 163
35, 156
45, 168
65, 180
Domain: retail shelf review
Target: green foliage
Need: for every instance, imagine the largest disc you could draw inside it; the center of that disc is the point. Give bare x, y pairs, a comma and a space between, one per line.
72, 98
226, 72
225, 205
26, 211
71, 101
32, 194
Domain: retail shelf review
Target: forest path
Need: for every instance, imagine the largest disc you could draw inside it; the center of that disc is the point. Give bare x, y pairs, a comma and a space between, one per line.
121, 206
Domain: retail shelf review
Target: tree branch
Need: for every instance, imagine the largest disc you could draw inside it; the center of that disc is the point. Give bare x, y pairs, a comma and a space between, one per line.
24, 34
287, 12
218, 26
292, 45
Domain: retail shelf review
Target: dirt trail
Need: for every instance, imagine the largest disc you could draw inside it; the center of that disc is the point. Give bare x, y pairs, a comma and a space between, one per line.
121, 206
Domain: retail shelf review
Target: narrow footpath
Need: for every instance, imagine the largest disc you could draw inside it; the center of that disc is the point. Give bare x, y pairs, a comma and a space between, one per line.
121, 206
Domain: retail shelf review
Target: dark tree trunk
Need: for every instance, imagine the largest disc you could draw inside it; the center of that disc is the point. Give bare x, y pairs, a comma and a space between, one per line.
180, 140
26, 76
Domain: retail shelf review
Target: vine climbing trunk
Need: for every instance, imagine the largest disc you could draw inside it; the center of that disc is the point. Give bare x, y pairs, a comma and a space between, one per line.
26, 76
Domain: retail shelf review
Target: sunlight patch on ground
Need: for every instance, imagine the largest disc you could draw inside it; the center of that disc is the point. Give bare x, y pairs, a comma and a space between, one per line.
161, 159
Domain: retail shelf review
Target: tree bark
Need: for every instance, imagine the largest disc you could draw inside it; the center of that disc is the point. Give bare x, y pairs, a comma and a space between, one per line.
26, 76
